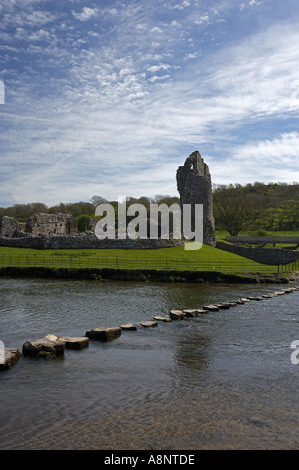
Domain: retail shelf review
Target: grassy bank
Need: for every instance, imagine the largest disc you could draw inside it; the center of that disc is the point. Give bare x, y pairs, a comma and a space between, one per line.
206, 259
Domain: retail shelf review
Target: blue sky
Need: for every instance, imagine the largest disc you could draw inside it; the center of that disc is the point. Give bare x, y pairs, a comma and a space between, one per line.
109, 97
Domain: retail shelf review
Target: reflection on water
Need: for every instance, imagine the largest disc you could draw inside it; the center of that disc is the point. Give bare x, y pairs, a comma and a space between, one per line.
223, 380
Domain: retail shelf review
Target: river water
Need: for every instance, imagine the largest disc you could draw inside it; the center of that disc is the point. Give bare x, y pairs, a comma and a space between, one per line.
223, 380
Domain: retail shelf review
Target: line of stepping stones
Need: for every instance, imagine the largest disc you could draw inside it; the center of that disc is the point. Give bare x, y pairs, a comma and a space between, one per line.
51, 345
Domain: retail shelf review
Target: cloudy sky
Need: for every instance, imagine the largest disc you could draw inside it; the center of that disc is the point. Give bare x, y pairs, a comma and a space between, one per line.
109, 97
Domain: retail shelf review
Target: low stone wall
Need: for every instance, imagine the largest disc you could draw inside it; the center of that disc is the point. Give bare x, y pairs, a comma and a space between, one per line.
272, 256
85, 240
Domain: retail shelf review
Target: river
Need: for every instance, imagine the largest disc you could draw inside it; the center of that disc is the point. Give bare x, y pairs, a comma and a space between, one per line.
223, 380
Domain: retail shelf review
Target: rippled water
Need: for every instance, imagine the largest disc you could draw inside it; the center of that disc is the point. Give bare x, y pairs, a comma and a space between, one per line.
223, 380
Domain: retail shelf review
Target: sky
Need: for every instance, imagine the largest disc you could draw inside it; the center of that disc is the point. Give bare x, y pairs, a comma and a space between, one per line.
109, 97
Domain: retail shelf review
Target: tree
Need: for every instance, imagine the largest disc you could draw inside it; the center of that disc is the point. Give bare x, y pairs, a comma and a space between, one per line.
233, 209
96, 200
83, 220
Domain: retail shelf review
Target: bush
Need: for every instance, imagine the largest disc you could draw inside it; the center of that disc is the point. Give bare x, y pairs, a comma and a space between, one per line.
83, 222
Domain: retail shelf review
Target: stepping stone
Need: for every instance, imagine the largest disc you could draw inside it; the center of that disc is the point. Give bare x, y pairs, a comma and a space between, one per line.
255, 298
280, 293
202, 311
232, 304
104, 334
244, 299
212, 308
11, 355
74, 342
177, 314
43, 347
239, 302
163, 319
148, 324
267, 296
128, 326
51, 337
191, 312
222, 306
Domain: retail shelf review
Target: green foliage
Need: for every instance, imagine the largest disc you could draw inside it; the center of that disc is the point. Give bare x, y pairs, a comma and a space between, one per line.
83, 220
258, 206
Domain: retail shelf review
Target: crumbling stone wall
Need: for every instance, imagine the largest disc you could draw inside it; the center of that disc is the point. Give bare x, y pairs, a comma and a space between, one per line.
272, 256
10, 227
51, 224
85, 240
194, 186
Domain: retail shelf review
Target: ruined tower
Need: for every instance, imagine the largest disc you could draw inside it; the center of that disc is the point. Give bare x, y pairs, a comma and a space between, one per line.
194, 186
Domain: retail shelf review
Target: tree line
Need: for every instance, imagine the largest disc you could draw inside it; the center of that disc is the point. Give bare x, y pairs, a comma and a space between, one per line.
256, 207
252, 207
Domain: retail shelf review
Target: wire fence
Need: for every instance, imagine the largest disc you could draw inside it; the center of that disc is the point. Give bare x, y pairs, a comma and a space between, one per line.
86, 261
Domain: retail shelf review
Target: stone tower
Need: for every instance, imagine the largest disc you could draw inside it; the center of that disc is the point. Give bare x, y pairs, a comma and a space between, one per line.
194, 186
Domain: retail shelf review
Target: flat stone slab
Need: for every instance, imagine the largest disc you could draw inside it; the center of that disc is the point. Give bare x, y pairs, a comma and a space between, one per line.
244, 299
201, 311
11, 355
211, 308
104, 334
223, 306
163, 319
74, 342
255, 298
43, 347
128, 326
148, 324
177, 314
191, 312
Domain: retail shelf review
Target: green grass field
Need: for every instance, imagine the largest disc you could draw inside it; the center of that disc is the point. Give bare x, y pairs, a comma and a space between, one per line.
167, 259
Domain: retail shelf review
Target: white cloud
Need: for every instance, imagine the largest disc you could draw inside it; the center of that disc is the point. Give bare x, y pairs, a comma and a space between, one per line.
281, 150
113, 11
272, 160
156, 68
158, 77
156, 29
85, 14
202, 19
116, 117
39, 35
181, 6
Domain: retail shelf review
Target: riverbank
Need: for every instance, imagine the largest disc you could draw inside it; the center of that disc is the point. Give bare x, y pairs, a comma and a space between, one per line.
143, 275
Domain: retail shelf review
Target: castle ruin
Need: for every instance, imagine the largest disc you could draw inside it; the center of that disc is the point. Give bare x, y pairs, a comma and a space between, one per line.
194, 186
51, 224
